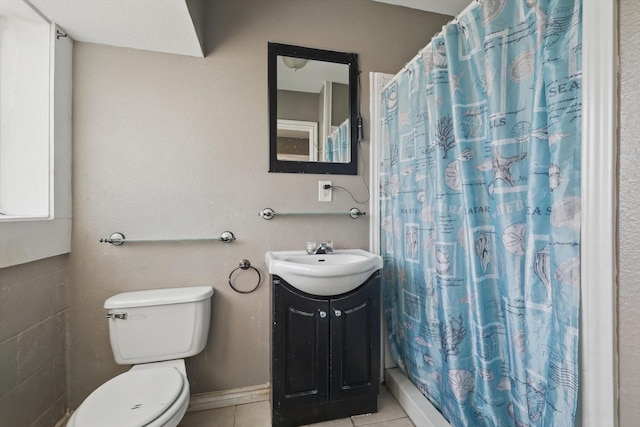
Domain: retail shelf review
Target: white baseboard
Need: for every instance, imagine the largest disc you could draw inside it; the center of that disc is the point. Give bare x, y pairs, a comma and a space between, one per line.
64, 420
220, 399
421, 412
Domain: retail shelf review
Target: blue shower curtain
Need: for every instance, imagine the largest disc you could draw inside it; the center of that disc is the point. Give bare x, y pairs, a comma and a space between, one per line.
338, 148
480, 214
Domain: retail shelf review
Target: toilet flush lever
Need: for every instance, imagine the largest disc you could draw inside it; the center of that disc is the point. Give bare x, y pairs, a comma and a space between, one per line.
122, 316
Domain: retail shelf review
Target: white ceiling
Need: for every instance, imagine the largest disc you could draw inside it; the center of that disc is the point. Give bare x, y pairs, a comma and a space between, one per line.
171, 26
312, 76
156, 25
445, 7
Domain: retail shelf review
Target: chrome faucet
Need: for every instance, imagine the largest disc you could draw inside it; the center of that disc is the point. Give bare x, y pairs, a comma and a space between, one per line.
325, 248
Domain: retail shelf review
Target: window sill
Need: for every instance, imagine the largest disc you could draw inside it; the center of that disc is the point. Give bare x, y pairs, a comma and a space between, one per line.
27, 240
13, 218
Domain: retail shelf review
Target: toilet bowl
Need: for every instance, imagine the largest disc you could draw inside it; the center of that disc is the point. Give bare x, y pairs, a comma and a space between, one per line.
150, 395
153, 330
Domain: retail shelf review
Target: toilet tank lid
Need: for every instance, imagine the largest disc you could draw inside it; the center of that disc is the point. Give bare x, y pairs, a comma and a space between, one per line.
158, 297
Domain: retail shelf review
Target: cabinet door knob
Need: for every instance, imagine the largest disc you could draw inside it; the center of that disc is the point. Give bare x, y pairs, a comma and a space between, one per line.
323, 314
338, 313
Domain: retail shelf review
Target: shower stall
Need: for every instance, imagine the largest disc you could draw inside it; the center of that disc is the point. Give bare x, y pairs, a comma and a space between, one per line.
487, 220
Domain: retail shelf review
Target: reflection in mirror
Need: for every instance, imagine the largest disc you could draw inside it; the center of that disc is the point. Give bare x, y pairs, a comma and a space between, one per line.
316, 92
312, 110
297, 141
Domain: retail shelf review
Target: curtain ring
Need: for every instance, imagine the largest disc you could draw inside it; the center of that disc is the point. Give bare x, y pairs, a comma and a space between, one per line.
245, 265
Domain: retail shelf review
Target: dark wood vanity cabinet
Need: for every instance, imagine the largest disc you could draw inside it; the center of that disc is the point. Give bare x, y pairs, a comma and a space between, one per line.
325, 353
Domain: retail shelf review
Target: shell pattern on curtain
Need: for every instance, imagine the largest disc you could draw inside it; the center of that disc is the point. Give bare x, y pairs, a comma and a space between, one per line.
480, 214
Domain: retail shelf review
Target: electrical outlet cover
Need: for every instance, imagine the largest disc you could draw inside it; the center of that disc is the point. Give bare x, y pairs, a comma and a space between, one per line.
324, 194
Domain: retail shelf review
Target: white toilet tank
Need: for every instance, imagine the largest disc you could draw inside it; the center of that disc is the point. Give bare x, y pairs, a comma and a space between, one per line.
161, 324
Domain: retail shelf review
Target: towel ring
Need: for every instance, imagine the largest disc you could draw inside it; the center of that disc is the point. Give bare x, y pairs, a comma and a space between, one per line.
245, 265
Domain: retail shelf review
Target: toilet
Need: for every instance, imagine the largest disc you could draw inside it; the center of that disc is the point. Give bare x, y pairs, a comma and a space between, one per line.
154, 331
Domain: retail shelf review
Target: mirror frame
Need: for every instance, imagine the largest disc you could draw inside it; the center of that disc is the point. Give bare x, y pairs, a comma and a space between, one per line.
350, 59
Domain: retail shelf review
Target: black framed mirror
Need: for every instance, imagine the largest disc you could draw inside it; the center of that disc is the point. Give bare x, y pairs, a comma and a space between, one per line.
313, 110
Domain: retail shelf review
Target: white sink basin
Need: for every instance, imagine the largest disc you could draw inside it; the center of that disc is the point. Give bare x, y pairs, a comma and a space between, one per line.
330, 274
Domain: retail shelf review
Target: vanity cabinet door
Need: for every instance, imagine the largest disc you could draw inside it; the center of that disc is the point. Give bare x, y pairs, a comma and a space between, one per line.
355, 342
300, 349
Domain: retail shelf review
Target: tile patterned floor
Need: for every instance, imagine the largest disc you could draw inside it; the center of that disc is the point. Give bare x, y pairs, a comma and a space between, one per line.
389, 414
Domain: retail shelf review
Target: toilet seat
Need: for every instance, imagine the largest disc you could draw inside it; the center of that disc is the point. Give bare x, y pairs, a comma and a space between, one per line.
133, 399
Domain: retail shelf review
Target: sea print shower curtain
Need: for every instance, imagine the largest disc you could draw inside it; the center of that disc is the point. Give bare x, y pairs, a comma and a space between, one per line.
480, 214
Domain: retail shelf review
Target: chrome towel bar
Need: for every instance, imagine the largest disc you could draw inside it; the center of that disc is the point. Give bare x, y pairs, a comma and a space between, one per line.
268, 213
118, 239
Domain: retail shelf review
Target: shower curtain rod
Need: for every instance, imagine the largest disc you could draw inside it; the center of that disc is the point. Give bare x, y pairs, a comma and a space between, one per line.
470, 6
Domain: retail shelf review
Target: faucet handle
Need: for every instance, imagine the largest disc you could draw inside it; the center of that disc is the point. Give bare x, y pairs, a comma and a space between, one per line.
327, 246
311, 247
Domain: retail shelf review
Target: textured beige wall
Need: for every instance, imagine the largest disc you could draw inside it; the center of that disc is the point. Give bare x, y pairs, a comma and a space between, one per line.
33, 310
629, 225
172, 146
